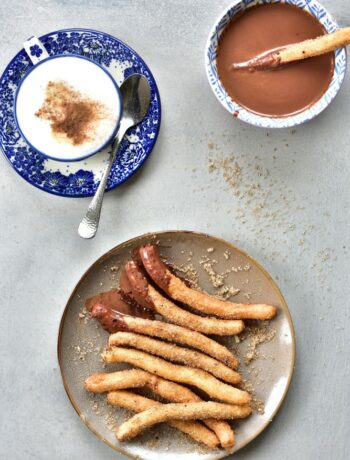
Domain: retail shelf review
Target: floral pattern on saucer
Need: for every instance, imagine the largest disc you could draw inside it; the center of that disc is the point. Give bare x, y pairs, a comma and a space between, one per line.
79, 179
328, 22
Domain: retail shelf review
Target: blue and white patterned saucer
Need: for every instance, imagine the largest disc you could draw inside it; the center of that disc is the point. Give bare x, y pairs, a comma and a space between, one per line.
78, 179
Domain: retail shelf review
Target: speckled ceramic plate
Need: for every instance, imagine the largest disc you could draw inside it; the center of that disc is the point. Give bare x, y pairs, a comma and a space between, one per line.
81, 339
79, 178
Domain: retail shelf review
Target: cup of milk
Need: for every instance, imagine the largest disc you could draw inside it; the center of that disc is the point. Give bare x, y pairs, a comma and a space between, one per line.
66, 107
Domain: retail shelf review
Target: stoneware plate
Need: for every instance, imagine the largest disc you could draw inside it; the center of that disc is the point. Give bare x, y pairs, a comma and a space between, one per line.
79, 178
81, 340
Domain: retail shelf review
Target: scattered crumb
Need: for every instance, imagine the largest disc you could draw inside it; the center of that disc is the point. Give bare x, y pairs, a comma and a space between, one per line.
83, 316
84, 349
216, 279
225, 292
239, 268
153, 443
189, 271
255, 335
258, 405
230, 169
110, 420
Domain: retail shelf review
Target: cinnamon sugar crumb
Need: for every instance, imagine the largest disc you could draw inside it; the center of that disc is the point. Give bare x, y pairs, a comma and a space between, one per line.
230, 169
216, 279
227, 291
153, 443
83, 316
189, 271
258, 405
72, 115
256, 335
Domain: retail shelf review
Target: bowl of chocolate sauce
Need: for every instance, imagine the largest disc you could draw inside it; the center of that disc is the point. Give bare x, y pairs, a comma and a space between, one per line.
273, 98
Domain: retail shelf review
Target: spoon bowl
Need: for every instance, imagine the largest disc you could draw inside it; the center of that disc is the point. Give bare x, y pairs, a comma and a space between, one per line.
136, 94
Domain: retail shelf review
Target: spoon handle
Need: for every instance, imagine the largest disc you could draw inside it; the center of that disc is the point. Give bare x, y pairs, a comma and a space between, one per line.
89, 224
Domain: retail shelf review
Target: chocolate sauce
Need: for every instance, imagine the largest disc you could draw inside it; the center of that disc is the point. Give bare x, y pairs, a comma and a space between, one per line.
113, 299
135, 285
278, 92
154, 266
110, 320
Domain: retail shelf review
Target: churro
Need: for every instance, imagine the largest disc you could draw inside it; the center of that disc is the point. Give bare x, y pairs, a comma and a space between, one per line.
174, 333
189, 411
201, 301
176, 354
297, 51
196, 377
137, 403
171, 391
175, 314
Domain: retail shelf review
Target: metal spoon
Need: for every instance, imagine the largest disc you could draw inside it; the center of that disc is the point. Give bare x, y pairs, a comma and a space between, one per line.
136, 95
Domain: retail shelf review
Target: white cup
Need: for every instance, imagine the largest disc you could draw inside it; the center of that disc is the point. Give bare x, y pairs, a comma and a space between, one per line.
85, 86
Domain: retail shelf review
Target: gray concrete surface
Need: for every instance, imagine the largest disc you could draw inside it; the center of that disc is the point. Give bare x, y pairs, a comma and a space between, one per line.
301, 235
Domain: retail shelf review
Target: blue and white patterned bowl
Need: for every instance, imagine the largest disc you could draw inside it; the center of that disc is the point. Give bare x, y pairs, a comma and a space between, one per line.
329, 23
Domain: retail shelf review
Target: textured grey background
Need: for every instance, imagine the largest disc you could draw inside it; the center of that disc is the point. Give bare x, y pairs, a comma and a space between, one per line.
300, 234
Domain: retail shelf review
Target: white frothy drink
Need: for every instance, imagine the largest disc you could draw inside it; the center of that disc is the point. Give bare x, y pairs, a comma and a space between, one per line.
68, 107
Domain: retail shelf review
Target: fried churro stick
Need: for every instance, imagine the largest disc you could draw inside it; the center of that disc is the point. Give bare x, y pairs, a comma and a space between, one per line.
136, 378
197, 377
176, 354
175, 314
297, 51
137, 403
190, 411
198, 323
198, 300
173, 333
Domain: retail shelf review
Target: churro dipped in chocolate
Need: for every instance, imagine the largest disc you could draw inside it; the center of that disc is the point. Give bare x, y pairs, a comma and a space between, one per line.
172, 312
113, 322
199, 300
297, 51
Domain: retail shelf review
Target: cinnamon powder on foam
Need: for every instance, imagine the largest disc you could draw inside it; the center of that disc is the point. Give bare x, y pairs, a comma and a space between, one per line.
72, 115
